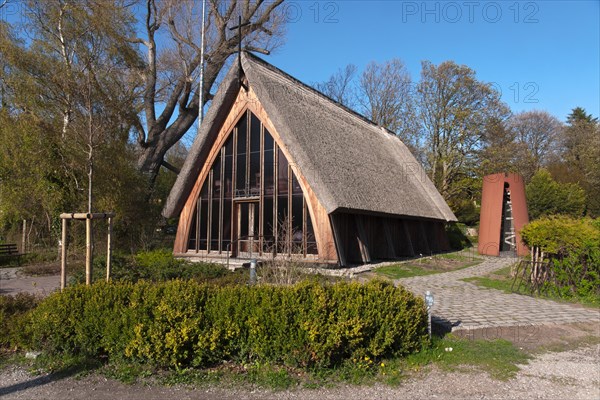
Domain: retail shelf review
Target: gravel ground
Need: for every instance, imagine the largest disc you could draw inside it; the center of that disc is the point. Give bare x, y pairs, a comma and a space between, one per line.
573, 374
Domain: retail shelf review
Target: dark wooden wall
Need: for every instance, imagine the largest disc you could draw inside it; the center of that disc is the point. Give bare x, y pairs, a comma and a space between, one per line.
365, 238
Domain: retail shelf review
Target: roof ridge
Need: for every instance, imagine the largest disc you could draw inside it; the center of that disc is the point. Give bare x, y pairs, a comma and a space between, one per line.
353, 113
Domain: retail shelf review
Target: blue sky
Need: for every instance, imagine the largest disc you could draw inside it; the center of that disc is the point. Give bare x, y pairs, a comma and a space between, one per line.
540, 54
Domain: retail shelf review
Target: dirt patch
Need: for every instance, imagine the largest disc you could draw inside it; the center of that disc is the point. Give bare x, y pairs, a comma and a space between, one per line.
537, 338
13, 281
42, 269
571, 374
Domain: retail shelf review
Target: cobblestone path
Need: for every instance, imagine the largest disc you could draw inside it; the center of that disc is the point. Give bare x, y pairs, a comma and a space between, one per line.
463, 305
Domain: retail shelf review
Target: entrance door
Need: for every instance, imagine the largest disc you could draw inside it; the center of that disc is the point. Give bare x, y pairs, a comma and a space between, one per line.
247, 229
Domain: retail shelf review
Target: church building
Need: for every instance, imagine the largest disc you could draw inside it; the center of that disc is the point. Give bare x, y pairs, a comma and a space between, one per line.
280, 170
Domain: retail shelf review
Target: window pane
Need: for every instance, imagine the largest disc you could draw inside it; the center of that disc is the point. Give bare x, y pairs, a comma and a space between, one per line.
228, 175
193, 231
254, 133
244, 220
255, 174
296, 189
268, 171
226, 224
311, 241
283, 234
229, 145
204, 191
214, 231
217, 177
240, 182
297, 209
282, 174
203, 222
269, 142
268, 224
242, 135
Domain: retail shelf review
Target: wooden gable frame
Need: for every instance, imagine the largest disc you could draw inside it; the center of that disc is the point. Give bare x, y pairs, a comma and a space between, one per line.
247, 100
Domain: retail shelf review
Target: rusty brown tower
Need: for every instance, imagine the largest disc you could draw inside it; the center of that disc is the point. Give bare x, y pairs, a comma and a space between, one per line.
503, 215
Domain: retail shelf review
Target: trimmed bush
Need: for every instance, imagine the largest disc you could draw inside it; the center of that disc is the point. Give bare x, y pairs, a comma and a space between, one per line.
184, 323
573, 245
13, 310
156, 265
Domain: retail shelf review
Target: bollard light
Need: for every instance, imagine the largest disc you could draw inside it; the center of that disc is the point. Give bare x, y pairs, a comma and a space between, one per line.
429, 299
429, 303
253, 272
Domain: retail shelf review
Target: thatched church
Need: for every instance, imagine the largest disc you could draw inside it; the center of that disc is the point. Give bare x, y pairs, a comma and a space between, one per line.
279, 169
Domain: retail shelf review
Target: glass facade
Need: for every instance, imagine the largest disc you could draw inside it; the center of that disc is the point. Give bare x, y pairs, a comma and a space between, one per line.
251, 200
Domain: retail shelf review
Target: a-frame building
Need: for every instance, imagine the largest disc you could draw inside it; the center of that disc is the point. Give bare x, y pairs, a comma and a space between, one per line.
279, 169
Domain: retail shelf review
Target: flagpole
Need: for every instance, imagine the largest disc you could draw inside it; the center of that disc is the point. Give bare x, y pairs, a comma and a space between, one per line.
201, 88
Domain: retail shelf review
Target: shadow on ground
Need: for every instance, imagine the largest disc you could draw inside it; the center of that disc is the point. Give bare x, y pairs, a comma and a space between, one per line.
49, 378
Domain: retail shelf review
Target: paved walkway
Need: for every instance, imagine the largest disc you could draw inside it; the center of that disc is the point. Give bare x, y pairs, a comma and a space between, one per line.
13, 281
463, 305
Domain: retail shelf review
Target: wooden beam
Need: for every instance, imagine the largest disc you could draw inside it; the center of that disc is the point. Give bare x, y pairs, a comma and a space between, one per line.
209, 212
88, 251
108, 250
389, 238
339, 241
408, 237
424, 236
363, 242
83, 216
319, 216
63, 255
221, 199
261, 201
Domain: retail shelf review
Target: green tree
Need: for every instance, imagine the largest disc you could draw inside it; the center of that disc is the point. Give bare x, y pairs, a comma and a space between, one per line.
547, 197
454, 109
578, 114
579, 150
71, 94
501, 151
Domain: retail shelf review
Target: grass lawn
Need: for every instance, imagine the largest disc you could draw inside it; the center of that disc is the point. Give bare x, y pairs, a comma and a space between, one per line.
499, 358
430, 265
501, 280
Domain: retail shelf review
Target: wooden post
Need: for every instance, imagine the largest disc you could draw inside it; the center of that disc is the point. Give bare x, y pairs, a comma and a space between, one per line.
88, 251
24, 237
63, 256
108, 249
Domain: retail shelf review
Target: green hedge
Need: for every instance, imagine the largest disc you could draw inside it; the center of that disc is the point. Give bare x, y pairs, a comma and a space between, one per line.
573, 245
184, 323
158, 265
13, 317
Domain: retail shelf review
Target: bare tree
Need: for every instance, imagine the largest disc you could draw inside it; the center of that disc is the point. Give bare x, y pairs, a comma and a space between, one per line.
340, 86
540, 132
385, 94
170, 73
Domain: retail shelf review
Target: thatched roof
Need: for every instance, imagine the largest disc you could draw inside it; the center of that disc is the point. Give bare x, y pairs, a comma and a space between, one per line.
349, 162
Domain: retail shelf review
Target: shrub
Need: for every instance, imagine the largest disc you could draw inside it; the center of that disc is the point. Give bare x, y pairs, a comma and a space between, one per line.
573, 245
547, 197
156, 266
185, 323
12, 316
457, 236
